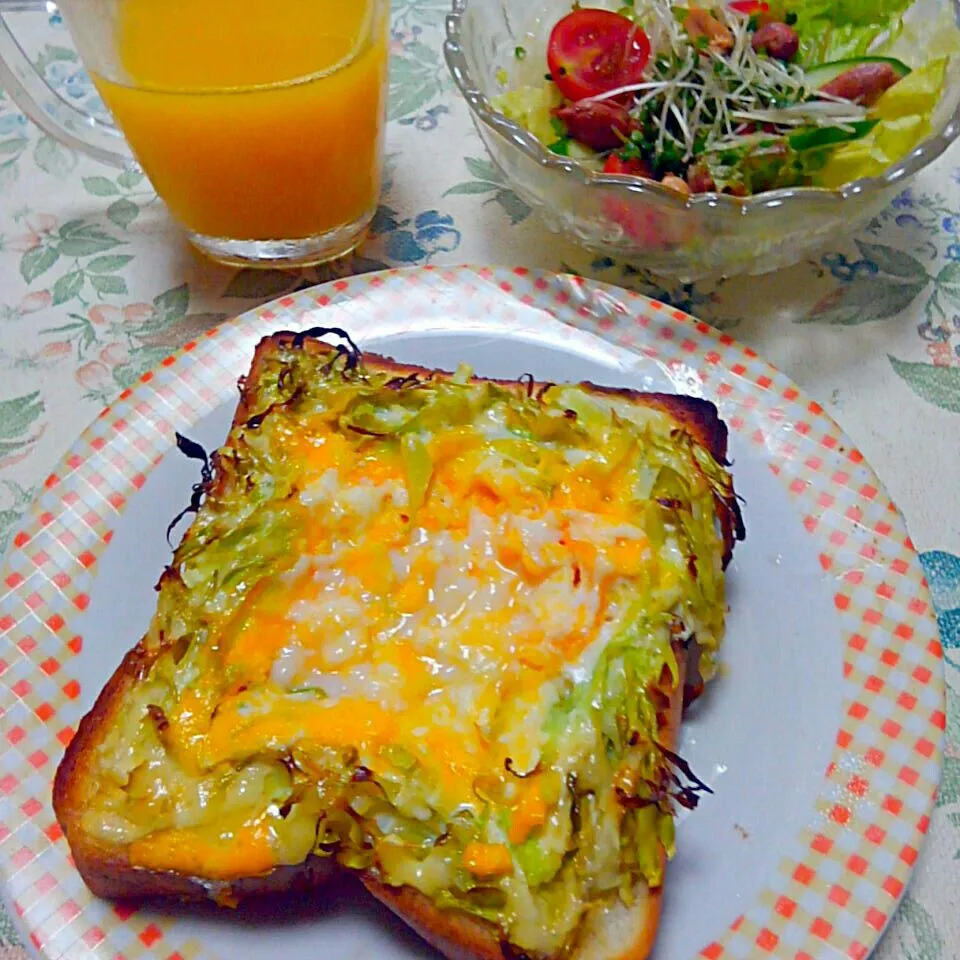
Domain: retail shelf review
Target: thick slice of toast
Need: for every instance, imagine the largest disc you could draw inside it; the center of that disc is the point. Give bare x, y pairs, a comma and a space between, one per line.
159, 796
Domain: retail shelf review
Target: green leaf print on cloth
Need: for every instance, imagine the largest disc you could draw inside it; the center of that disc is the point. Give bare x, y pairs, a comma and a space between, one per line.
17, 417
14, 499
936, 385
487, 179
949, 791
418, 75
68, 247
8, 936
114, 346
914, 937
54, 158
879, 286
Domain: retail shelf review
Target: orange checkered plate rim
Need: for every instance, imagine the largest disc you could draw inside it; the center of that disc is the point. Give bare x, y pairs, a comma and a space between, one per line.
836, 887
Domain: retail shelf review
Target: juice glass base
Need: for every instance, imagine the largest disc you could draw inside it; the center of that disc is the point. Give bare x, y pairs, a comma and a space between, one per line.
284, 254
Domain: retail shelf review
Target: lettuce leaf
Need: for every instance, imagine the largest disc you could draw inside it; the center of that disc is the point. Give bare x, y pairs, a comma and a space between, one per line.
531, 107
840, 29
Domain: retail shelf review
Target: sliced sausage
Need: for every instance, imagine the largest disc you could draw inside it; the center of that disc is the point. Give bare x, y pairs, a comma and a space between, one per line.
864, 84
776, 40
600, 124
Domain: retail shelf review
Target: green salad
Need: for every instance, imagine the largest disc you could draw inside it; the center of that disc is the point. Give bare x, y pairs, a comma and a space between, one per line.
738, 97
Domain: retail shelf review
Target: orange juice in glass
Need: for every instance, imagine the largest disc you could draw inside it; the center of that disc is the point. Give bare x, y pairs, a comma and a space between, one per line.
259, 122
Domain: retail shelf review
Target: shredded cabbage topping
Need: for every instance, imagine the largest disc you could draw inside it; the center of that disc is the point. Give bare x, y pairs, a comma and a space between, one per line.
427, 626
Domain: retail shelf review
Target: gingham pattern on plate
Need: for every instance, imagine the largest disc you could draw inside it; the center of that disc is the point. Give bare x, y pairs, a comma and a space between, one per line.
834, 890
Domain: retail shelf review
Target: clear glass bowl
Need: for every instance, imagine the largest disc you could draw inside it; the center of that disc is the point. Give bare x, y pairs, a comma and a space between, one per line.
639, 221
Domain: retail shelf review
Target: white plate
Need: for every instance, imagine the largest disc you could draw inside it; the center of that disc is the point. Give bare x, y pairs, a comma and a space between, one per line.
822, 737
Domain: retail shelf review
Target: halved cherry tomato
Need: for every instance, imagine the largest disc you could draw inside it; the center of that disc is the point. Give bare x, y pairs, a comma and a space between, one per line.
631, 167
594, 51
646, 227
749, 8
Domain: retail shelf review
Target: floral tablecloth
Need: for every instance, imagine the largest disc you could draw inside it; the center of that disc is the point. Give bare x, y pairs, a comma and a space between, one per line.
96, 286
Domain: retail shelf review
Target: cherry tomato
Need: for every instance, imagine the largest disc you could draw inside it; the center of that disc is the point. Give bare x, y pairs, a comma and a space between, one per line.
594, 51
631, 167
749, 8
647, 228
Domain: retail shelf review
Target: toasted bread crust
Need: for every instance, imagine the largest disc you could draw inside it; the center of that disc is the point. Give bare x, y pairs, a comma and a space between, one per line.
456, 935
108, 871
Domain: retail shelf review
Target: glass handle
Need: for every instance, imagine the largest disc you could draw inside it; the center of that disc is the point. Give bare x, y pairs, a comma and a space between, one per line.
45, 107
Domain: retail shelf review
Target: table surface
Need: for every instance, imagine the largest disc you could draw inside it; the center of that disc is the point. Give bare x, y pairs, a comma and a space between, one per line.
97, 285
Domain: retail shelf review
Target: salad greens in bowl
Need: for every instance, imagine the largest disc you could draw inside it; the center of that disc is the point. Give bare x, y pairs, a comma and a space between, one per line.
708, 137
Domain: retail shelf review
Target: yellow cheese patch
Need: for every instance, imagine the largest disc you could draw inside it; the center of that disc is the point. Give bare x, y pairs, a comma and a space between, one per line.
487, 859
228, 855
529, 813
